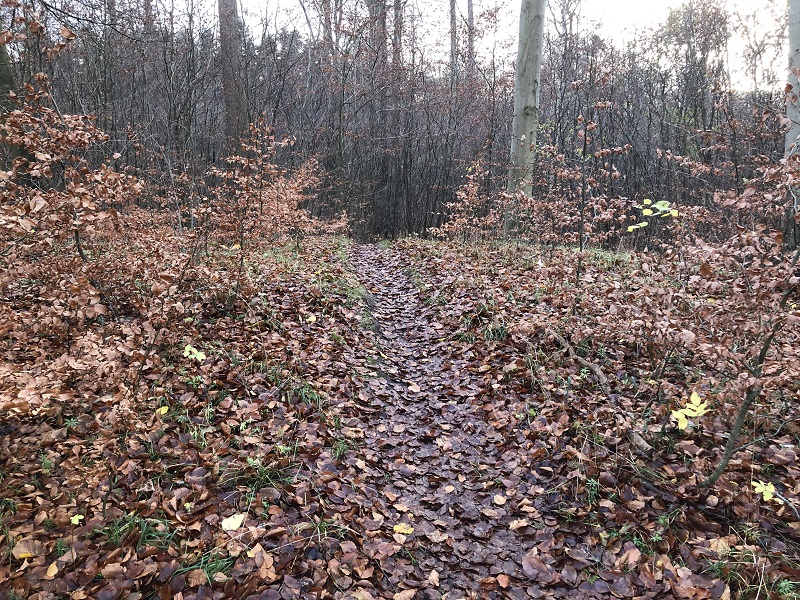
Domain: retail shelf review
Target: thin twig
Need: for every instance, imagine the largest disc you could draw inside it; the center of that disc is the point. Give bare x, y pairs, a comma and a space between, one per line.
764, 438
602, 380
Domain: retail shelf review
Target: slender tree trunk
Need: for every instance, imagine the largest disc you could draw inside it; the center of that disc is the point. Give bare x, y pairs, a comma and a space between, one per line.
7, 84
230, 45
470, 37
397, 37
526, 94
327, 25
453, 43
792, 146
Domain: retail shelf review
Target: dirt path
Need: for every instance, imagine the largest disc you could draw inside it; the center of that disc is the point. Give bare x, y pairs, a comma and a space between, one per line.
433, 459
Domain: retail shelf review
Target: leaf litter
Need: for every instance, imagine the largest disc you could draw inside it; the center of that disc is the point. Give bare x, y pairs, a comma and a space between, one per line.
412, 422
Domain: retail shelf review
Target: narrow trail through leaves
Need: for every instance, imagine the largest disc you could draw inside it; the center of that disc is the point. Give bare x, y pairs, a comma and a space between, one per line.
435, 462
412, 421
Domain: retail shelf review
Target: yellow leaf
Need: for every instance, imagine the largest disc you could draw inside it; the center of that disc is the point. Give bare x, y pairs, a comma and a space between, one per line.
647, 201
683, 422
52, 570
162, 410
311, 319
75, 519
193, 353
696, 407
233, 522
767, 490
403, 528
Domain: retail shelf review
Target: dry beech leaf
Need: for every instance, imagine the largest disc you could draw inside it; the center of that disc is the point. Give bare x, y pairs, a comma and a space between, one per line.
233, 522
28, 548
196, 577
518, 524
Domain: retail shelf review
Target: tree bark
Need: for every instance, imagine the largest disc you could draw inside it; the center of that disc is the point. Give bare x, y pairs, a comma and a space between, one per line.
453, 43
526, 94
792, 145
7, 84
470, 37
230, 45
397, 37
792, 103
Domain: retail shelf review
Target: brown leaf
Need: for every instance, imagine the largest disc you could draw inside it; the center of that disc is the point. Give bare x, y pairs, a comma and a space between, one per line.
196, 577
28, 548
537, 570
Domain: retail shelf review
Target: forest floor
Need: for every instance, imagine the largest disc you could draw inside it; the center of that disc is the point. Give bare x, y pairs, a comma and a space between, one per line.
407, 420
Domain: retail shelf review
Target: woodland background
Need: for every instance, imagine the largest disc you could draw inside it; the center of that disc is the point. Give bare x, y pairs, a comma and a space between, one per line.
207, 389
395, 122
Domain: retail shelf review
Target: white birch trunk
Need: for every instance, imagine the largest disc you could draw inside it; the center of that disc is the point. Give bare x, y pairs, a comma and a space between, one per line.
792, 146
793, 94
526, 94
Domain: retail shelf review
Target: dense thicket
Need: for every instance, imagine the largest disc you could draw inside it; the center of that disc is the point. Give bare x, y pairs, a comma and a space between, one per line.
395, 120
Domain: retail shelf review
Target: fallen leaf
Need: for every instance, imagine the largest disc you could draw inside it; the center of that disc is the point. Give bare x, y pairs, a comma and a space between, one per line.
28, 548
196, 577
403, 528
720, 546
233, 522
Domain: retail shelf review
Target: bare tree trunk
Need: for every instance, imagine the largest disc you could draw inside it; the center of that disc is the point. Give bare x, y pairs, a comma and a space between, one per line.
6, 79
792, 146
526, 94
792, 103
470, 36
397, 37
230, 45
453, 43
327, 25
